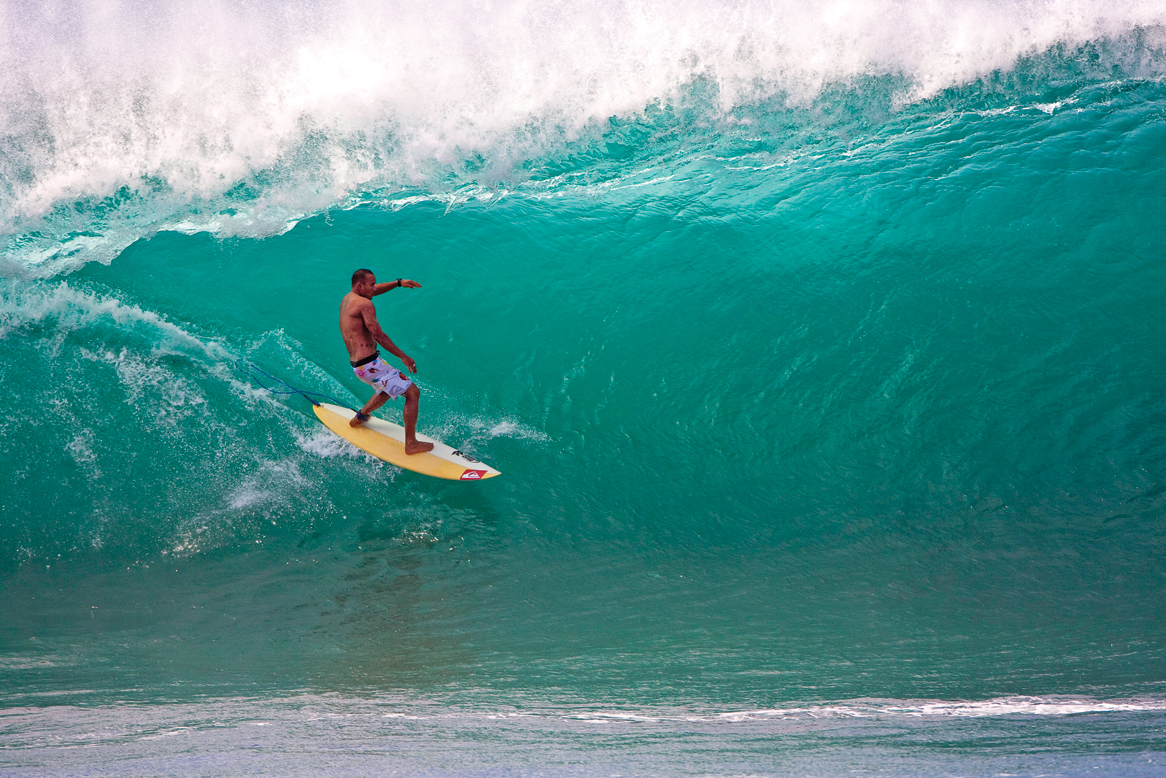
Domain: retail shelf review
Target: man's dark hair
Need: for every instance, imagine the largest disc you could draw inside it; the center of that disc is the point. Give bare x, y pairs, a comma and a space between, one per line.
360, 275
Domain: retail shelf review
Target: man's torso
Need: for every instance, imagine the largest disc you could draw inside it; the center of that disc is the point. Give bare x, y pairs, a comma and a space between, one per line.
357, 338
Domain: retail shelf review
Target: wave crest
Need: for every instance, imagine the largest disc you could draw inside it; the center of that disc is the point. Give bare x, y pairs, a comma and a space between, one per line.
240, 119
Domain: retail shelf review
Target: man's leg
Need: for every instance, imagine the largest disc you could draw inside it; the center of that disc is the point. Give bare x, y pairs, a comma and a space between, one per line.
377, 401
412, 445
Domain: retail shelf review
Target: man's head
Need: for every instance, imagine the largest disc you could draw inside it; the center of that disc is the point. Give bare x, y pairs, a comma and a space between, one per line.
364, 282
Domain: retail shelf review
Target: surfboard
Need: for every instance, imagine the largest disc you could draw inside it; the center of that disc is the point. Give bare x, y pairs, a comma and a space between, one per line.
385, 440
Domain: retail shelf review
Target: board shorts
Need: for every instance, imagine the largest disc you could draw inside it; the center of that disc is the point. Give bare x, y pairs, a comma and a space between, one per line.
375, 372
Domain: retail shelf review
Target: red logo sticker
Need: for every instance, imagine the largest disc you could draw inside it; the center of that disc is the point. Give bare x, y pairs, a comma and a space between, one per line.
472, 475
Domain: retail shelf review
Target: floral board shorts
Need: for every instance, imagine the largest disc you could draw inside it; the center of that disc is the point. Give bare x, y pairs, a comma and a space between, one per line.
380, 376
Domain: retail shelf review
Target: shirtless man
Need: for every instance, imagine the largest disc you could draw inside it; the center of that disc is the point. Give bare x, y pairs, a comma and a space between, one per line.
358, 325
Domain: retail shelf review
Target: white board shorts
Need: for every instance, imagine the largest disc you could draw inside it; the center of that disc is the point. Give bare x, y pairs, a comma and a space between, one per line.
383, 378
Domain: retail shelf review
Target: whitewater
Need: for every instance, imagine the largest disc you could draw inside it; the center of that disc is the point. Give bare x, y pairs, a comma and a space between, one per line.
818, 345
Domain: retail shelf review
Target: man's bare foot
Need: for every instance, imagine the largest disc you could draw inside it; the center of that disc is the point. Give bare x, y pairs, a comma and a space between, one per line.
417, 447
357, 420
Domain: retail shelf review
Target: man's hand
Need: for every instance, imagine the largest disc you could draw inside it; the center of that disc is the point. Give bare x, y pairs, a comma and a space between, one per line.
409, 363
408, 284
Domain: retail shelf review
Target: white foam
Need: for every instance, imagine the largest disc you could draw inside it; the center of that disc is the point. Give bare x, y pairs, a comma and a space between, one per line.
154, 121
81, 447
247, 496
324, 443
23, 304
1035, 706
508, 428
1000, 706
273, 480
475, 429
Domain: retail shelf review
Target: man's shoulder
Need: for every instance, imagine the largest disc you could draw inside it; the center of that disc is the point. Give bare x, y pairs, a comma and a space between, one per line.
354, 302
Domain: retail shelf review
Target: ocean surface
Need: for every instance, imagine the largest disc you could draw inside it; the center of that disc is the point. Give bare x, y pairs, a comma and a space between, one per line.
821, 347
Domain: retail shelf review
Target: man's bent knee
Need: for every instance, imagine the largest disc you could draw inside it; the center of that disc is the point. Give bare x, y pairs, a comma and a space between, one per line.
412, 393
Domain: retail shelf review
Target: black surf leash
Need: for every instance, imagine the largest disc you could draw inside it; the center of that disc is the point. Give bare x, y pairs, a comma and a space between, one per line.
257, 376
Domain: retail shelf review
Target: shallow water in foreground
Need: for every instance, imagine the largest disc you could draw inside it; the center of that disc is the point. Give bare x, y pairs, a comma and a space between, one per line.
336, 736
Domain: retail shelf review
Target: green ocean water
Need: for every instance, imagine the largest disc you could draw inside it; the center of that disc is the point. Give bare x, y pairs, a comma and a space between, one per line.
829, 414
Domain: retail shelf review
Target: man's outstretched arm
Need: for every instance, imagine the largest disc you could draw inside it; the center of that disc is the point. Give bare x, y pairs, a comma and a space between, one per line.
387, 285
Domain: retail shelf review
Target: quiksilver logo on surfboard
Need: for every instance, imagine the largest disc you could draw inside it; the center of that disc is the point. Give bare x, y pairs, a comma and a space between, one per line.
473, 475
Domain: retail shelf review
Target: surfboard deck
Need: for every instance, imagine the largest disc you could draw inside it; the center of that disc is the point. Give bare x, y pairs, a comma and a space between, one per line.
385, 440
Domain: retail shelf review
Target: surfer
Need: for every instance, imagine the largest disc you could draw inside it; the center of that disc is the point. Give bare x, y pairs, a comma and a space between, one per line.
358, 325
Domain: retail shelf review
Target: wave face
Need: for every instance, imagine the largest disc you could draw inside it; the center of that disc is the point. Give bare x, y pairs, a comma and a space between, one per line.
819, 348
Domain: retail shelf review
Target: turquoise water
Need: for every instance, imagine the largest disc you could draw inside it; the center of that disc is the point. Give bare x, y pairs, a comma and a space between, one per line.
819, 349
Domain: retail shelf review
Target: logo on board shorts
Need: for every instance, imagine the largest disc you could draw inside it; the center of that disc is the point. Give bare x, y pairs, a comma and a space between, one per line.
473, 475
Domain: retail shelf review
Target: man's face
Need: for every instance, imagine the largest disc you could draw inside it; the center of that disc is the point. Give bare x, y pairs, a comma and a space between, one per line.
366, 287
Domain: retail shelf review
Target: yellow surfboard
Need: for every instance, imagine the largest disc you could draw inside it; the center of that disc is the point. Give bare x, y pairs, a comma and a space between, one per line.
385, 440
